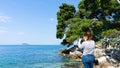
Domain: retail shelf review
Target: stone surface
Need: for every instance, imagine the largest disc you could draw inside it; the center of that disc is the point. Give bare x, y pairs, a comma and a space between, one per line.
107, 58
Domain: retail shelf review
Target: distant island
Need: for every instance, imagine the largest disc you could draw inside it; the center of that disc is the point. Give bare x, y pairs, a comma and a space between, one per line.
25, 44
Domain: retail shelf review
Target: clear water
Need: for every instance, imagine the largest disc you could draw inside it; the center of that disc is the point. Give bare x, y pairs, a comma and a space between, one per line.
32, 56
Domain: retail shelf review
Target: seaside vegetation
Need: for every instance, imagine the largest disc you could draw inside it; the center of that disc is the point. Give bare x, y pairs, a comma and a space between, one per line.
101, 17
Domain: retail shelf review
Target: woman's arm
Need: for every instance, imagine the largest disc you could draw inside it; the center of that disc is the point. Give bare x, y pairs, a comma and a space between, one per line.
79, 43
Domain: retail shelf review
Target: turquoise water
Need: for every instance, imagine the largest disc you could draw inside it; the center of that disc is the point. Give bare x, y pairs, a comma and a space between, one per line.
32, 56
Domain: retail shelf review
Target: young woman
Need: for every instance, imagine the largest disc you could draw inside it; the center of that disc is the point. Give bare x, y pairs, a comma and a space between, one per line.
88, 50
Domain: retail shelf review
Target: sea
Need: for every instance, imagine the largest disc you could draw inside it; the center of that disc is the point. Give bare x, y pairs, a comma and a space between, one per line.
34, 56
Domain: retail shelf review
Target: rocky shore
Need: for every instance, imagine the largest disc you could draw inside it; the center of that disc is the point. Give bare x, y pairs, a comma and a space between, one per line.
107, 58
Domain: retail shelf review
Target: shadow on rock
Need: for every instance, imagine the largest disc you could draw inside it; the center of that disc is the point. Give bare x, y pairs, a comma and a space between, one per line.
72, 65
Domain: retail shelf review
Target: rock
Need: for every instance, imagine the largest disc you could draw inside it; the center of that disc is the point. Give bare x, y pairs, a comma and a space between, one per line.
63, 51
107, 58
73, 55
110, 67
78, 53
98, 46
72, 52
98, 52
113, 61
78, 59
71, 65
115, 54
105, 65
102, 60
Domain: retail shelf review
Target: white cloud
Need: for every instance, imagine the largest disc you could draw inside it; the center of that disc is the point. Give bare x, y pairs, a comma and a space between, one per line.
4, 19
52, 19
3, 27
20, 33
3, 31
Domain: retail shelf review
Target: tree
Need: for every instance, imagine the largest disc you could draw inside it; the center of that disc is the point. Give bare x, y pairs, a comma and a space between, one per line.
96, 15
66, 12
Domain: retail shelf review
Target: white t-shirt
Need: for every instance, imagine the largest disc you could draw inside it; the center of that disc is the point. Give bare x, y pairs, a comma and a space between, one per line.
88, 47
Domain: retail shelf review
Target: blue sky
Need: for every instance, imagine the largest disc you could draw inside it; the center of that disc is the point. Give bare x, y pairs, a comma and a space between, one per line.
29, 21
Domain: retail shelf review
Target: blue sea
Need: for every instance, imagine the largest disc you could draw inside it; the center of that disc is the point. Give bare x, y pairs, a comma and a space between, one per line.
33, 56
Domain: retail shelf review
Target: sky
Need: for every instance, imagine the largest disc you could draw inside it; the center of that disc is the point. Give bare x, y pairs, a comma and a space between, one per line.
30, 21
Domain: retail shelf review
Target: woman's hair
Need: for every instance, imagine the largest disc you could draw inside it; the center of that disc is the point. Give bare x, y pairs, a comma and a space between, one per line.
88, 34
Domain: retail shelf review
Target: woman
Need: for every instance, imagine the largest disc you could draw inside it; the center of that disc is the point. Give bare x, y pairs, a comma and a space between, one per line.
88, 50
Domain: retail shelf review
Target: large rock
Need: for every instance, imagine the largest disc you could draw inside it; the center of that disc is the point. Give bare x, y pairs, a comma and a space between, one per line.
64, 51
113, 53
98, 52
116, 54
107, 58
71, 65
75, 54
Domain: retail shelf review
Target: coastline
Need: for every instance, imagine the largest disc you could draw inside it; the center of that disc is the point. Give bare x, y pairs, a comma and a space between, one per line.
106, 57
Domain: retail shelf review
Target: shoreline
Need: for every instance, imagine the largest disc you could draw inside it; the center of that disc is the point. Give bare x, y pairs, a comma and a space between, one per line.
105, 57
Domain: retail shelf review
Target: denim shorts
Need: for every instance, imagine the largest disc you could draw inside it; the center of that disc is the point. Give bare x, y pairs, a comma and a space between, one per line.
88, 61
88, 58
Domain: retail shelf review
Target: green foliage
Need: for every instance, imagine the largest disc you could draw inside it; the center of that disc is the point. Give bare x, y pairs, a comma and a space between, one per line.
98, 42
76, 28
114, 42
66, 11
101, 17
109, 32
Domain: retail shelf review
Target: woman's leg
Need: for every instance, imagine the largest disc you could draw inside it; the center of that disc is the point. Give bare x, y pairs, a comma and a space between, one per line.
86, 65
88, 61
91, 64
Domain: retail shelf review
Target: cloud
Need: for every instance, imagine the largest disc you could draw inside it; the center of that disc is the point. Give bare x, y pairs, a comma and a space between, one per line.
20, 33
4, 19
3, 27
3, 31
52, 19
